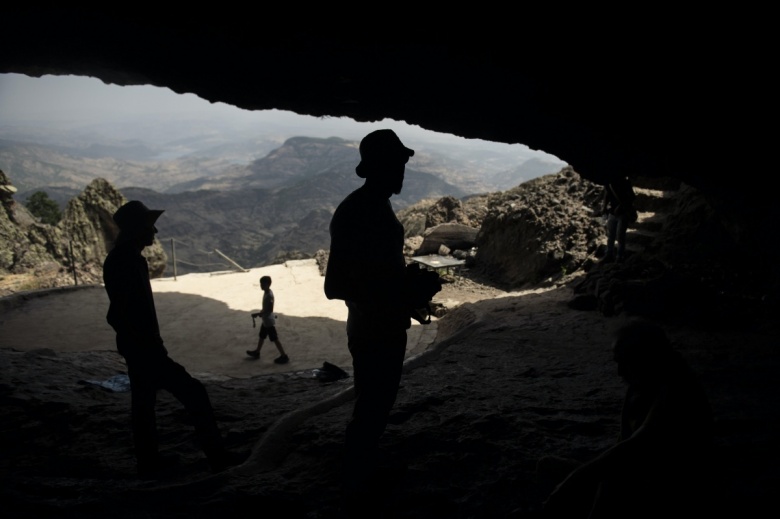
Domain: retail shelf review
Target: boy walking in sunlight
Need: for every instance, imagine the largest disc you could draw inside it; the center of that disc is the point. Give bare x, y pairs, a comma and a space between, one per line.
268, 324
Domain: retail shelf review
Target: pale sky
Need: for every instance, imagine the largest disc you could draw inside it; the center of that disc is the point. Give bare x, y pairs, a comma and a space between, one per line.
78, 99
83, 99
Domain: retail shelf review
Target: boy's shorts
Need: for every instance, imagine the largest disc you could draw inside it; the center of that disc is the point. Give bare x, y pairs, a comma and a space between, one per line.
268, 331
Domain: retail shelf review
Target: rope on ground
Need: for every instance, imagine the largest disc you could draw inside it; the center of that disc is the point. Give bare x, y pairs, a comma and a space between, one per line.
273, 447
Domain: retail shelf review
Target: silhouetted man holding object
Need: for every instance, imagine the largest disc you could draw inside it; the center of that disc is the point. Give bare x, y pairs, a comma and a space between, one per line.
133, 316
366, 268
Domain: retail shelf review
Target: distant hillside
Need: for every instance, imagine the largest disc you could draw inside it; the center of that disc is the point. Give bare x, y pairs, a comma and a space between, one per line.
302, 159
530, 169
35, 165
258, 213
61, 195
255, 226
298, 159
184, 153
484, 168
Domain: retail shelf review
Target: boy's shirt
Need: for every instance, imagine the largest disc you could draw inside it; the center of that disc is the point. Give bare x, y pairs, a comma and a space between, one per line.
267, 313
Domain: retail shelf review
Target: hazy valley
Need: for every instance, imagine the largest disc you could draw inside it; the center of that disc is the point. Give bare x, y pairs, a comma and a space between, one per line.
251, 196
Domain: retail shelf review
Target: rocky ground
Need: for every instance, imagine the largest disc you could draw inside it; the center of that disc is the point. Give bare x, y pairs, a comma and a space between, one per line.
512, 378
521, 370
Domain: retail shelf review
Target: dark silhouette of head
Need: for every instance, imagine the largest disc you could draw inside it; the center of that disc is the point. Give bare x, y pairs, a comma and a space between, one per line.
265, 282
642, 352
136, 223
383, 159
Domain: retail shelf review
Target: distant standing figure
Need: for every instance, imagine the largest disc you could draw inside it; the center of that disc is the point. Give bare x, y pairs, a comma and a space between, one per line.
132, 315
268, 324
618, 205
658, 467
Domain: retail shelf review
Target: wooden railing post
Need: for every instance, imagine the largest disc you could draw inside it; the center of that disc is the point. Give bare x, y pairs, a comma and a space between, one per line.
239, 267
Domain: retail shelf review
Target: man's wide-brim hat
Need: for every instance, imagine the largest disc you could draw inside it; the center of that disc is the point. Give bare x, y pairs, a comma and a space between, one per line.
135, 215
381, 146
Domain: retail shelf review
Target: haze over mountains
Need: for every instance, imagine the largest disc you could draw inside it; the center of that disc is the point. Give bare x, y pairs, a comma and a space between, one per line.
254, 185
194, 156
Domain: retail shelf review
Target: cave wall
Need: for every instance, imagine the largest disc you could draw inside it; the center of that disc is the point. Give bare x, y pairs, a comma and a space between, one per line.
671, 96
612, 101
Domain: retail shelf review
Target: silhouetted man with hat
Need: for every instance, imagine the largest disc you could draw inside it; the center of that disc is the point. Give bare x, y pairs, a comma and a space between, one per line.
133, 316
366, 268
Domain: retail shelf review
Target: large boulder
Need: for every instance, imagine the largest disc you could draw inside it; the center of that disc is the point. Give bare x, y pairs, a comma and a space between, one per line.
89, 229
447, 221
542, 228
454, 236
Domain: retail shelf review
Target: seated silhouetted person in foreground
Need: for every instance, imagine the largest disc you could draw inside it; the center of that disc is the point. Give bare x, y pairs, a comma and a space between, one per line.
133, 316
658, 467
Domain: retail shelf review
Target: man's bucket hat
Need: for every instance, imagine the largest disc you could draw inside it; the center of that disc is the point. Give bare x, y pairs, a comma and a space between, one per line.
134, 215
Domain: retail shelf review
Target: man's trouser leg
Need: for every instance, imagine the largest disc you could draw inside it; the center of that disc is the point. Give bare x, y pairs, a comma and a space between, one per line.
191, 393
612, 228
143, 398
377, 364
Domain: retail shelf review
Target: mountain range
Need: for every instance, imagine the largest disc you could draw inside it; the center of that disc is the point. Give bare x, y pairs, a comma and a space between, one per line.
270, 208
304, 181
